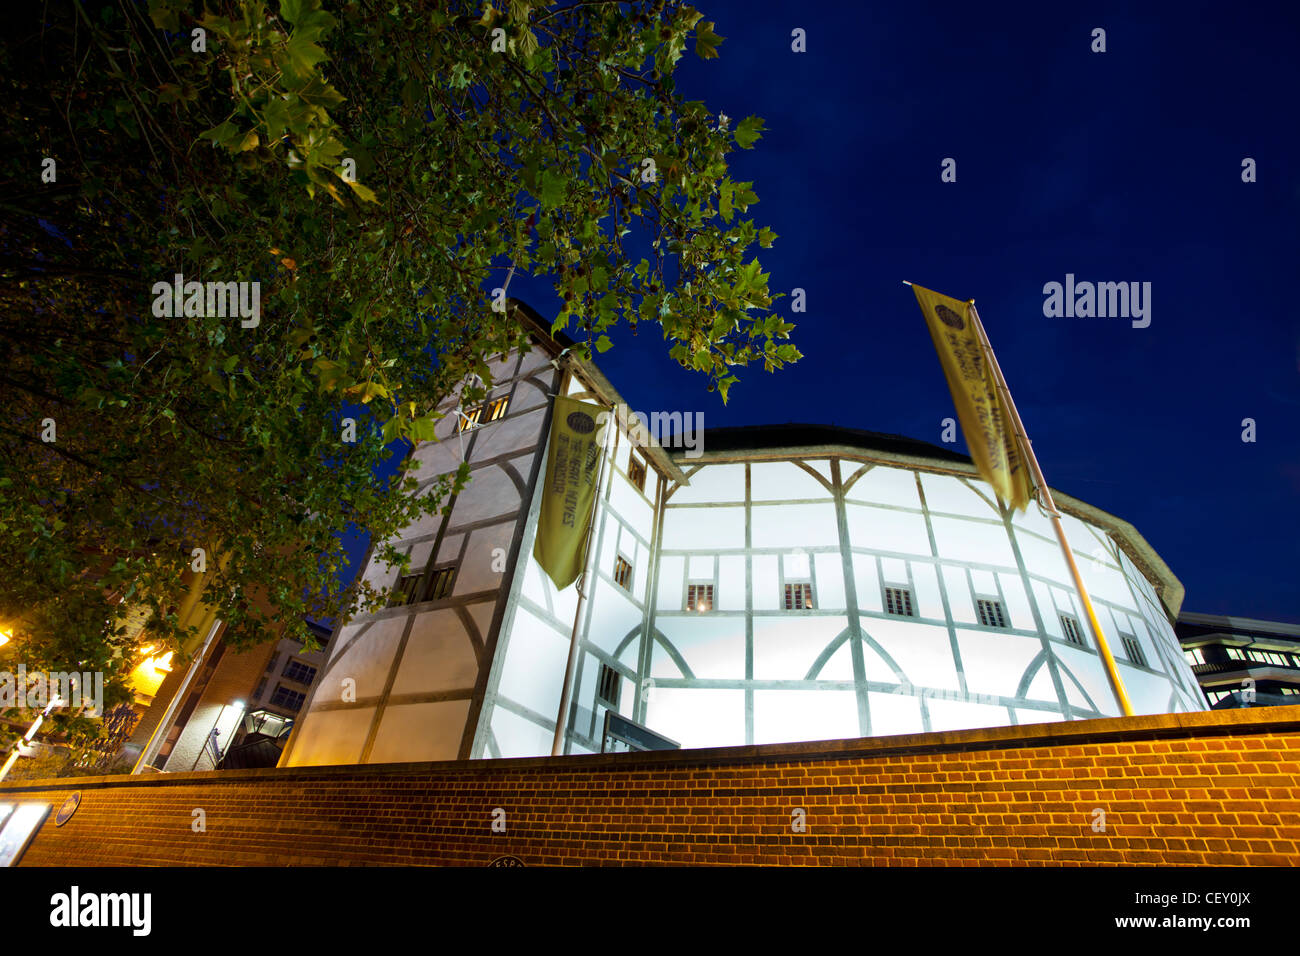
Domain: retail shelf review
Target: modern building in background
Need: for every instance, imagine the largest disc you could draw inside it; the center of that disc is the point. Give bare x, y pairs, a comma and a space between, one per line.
1241, 662
237, 710
773, 584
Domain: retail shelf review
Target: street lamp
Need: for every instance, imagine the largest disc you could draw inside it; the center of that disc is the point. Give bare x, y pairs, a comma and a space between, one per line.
55, 701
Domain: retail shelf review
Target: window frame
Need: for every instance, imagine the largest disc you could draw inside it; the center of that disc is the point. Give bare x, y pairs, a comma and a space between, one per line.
1071, 623
996, 611
690, 603
907, 600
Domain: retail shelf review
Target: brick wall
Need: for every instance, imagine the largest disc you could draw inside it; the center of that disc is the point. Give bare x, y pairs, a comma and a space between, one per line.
1218, 787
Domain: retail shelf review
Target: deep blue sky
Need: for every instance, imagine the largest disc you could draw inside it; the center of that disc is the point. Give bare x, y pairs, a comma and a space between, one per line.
1122, 166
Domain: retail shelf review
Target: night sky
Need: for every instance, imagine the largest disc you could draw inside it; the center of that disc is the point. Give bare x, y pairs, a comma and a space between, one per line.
1116, 166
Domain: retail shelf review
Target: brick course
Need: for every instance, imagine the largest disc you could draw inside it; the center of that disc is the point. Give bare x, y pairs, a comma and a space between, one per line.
1210, 788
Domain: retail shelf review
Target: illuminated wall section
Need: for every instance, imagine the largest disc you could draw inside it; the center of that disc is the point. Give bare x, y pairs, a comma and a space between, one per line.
407, 682
518, 716
897, 562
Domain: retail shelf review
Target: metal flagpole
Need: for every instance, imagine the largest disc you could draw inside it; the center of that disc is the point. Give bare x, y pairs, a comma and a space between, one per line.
561, 718
1107, 658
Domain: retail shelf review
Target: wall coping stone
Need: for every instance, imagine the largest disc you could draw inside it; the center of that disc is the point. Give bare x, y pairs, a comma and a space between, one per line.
1200, 724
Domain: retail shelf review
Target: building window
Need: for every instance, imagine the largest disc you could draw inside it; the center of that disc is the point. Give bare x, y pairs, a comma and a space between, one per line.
636, 472
991, 613
899, 601
798, 597
404, 593
1193, 655
1235, 653
1217, 695
482, 414
261, 686
286, 698
608, 687
1073, 632
1133, 650
299, 672
699, 597
1267, 657
623, 572
468, 418
440, 583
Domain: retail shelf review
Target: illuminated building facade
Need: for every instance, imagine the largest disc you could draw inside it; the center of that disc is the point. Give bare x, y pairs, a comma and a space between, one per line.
776, 584
1240, 661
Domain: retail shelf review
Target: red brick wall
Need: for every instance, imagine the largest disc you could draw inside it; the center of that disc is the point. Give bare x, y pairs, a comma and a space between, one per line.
1219, 787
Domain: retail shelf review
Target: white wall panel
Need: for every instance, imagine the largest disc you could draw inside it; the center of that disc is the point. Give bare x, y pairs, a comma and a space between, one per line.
766, 583
785, 647
883, 485
830, 581
711, 645
703, 529
782, 480
794, 526
947, 494
712, 483
972, 541
894, 714
698, 717
781, 716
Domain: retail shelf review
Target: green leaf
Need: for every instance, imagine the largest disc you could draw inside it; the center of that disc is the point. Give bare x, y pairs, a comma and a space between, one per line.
423, 429
748, 131
706, 41
550, 191
363, 192
603, 344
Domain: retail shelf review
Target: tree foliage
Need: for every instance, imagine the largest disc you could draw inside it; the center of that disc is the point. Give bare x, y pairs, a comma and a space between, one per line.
377, 168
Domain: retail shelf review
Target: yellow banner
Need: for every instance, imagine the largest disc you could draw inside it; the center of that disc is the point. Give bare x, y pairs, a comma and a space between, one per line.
985, 420
572, 464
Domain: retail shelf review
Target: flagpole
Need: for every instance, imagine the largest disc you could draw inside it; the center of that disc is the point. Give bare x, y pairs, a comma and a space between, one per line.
561, 718
1112, 673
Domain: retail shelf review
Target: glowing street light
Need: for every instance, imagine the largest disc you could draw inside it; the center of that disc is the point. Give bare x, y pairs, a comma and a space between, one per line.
55, 701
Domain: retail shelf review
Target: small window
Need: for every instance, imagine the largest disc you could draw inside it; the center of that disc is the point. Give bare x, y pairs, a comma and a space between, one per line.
623, 572
286, 698
1133, 650
468, 418
636, 472
298, 672
1193, 655
404, 593
899, 601
991, 613
798, 597
482, 414
608, 687
1234, 653
699, 597
1073, 633
440, 583
261, 686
